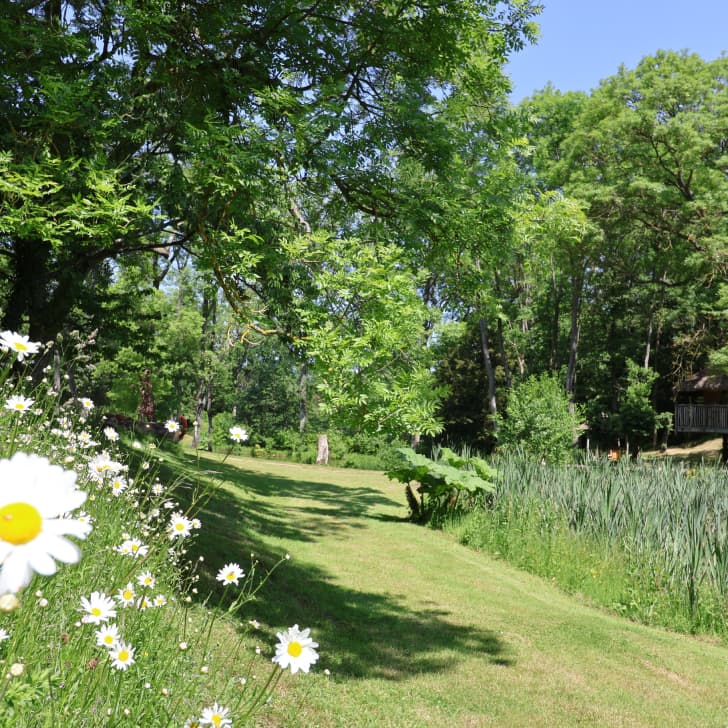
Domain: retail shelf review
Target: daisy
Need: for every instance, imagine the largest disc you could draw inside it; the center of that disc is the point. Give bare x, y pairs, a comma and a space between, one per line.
126, 596
103, 465
216, 716
196, 523
171, 426
99, 608
157, 489
111, 434
18, 403
86, 403
34, 496
4, 635
296, 650
107, 636
238, 434
122, 656
132, 547
230, 574
160, 600
179, 526
146, 579
144, 604
191, 723
12, 341
118, 485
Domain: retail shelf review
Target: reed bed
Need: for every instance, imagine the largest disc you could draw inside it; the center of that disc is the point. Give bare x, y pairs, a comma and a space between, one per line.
663, 525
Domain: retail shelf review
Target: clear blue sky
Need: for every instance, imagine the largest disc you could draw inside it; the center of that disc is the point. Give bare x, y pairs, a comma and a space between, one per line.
584, 41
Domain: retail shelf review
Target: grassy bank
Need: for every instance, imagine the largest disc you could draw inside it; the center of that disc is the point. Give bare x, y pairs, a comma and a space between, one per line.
417, 630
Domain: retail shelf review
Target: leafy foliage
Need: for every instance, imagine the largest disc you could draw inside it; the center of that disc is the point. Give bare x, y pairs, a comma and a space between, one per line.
442, 481
540, 420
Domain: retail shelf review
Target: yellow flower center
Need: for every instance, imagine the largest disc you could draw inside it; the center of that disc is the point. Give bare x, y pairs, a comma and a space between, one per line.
123, 656
20, 346
295, 649
135, 547
96, 611
216, 720
109, 639
19, 406
179, 526
19, 523
127, 594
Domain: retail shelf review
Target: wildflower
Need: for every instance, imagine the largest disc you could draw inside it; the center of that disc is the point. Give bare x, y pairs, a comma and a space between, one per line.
216, 716
4, 635
157, 489
107, 636
85, 440
126, 596
12, 341
17, 669
160, 600
144, 604
99, 608
230, 574
18, 403
118, 485
33, 492
196, 523
122, 656
183, 646
296, 650
102, 465
179, 526
238, 434
86, 403
171, 426
191, 723
132, 547
111, 434
146, 579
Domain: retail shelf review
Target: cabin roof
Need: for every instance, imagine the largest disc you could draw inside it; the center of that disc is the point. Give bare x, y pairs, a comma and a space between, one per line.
704, 382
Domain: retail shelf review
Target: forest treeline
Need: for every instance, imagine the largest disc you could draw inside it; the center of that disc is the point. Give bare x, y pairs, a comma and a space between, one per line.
328, 215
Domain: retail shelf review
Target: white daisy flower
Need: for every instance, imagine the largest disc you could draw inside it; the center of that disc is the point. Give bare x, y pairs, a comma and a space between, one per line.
107, 636
4, 635
144, 604
179, 526
102, 465
122, 656
171, 426
160, 600
12, 341
126, 596
111, 434
146, 579
99, 608
18, 403
33, 494
296, 650
86, 403
216, 716
238, 434
118, 485
132, 547
230, 574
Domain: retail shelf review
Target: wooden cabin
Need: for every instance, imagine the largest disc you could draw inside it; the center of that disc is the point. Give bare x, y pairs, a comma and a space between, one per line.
701, 406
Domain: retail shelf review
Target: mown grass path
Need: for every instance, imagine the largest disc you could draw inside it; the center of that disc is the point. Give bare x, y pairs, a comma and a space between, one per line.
417, 630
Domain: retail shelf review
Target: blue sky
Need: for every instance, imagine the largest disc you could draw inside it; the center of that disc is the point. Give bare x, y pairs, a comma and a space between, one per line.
584, 41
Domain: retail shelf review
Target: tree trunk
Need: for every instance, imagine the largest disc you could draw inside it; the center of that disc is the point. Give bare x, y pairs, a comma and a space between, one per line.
492, 404
555, 358
303, 397
573, 340
322, 453
503, 357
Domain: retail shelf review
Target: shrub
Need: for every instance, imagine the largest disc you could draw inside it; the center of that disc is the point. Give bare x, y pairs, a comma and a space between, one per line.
539, 420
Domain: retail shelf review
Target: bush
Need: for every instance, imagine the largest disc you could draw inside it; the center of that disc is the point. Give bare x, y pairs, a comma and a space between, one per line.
539, 421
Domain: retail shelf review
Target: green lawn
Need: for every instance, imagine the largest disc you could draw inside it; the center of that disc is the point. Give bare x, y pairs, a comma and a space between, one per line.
417, 630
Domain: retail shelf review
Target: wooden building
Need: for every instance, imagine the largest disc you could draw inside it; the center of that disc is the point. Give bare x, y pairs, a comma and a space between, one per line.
701, 406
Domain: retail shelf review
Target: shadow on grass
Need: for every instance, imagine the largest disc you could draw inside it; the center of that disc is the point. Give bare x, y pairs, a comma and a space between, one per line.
363, 634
